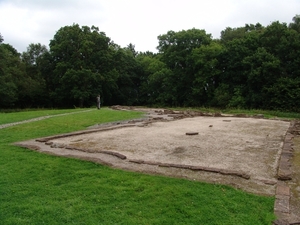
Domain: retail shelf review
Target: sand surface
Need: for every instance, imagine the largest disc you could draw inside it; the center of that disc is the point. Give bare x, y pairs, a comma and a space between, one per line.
242, 152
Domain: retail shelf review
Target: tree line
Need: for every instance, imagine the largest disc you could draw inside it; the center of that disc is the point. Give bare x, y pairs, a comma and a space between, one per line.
251, 67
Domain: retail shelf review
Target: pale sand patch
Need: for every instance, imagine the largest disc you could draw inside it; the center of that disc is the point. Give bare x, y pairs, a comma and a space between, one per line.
245, 145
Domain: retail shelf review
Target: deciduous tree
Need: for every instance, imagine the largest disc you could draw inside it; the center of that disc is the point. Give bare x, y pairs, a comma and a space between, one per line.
176, 49
82, 60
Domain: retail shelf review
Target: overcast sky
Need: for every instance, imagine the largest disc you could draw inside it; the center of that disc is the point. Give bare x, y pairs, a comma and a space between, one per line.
134, 21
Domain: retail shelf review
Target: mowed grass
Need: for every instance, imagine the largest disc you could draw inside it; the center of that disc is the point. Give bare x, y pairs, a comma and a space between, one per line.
37, 188
12, 117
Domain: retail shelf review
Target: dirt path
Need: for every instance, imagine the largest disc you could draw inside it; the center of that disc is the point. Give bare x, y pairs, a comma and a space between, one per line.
245, 153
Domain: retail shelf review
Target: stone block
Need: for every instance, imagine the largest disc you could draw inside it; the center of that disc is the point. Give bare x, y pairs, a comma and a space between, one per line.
283, 190
284, 174
284, 165
282, 204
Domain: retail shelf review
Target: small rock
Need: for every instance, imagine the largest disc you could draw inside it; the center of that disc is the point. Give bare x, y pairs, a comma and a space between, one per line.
192, 133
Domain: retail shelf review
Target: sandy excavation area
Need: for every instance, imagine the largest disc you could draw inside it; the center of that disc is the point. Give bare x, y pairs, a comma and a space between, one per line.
242, 152
247, 145
254, 154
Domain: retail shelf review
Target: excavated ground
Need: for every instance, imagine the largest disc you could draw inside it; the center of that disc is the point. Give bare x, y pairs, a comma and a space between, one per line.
239, 151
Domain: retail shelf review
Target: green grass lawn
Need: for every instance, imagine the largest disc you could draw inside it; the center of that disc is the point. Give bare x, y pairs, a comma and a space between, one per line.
37, 188
25, 115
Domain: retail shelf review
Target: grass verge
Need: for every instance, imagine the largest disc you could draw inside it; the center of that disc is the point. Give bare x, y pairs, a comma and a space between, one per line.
12, 117
36, 188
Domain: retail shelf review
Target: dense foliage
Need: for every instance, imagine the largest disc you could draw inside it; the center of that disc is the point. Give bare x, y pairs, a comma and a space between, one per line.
248, 67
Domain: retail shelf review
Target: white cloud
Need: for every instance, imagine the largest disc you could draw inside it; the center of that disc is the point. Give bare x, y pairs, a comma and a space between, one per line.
134, 21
